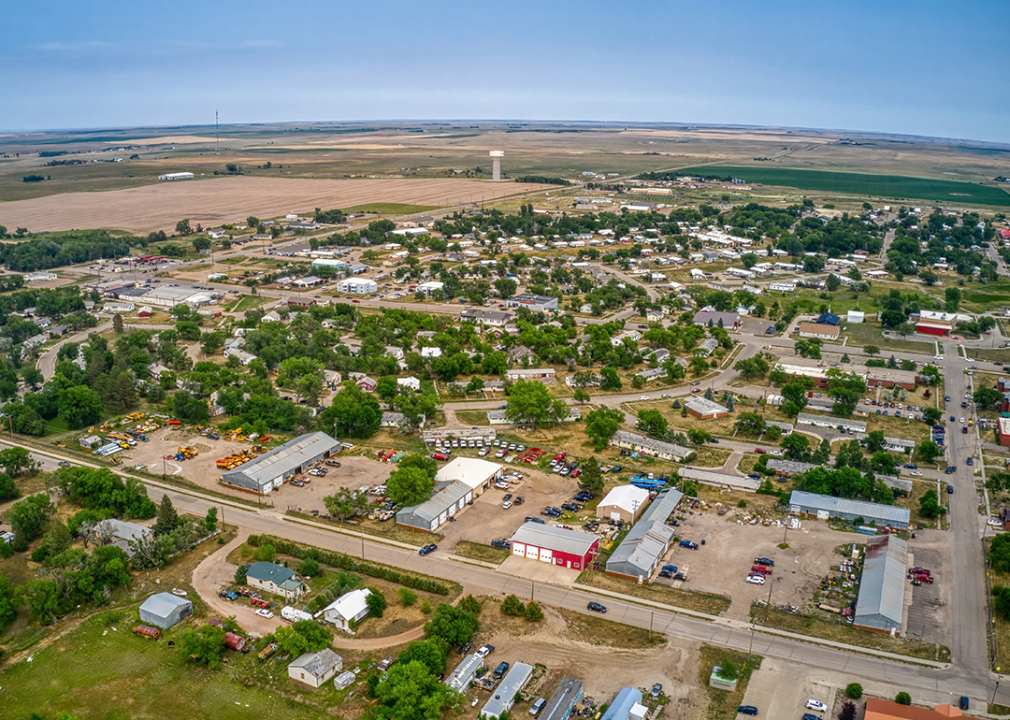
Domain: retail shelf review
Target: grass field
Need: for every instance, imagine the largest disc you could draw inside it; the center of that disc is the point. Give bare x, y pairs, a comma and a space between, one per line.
390, 208
891, 186
722, 704
702, 602
860, 334
479, 551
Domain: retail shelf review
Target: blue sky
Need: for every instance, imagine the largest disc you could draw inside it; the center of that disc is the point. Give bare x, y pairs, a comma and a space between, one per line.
923, 68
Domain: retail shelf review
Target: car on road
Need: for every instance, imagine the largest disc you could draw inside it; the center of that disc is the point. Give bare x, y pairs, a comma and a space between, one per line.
355, 301
747, 710
764, 561
63, 463
950, 489
946, 398
643, 397
427, 549
950, 470
597, 607
756, 579
263, 612
962, 421
911, 466
964, 702
916, 473
484, 650
953, 420
759, 451
970, 461
816, 705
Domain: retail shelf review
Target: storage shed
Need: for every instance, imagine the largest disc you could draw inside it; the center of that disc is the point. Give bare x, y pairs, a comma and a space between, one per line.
825, 506
556, 545
271, 469
881, 602
165, 610
624, 502
643, 548
430, 515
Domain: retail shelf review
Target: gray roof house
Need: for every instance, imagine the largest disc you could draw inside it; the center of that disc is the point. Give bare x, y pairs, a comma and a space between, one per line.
123, 533
271, 469
649, 539
315, 668
567, 696
649, 446
164, 610
460, 678
847, 509
274, 578
881, 602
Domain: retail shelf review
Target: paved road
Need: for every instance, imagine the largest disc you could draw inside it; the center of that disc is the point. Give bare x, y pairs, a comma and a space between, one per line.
47, 361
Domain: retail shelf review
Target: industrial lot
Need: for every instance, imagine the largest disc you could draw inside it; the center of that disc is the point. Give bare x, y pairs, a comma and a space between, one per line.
630, 431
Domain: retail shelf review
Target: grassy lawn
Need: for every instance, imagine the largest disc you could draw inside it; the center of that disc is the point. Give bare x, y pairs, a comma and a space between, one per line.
144, 678
860, 334
892, 186
248, 302
388, 530
896, 427
472, 417
722, 704
389, 208
1002, 625
920, 488
747, 463
708, 456
597, 631
701, 602
990, 354
479, 551
840, 631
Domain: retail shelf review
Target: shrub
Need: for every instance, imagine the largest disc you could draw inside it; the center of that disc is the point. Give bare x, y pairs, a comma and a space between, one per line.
308, 568
512, 605
240, 574
534, 613
848, 711
470, 604
376, 603
407, 596
426, 607
903, 698
854, 690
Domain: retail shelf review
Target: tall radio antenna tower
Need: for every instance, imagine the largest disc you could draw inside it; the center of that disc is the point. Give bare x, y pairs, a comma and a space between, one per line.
217, 134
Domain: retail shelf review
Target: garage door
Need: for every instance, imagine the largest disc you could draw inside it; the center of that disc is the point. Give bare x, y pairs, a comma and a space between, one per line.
545, 555
532, 552
518, 549
442, 517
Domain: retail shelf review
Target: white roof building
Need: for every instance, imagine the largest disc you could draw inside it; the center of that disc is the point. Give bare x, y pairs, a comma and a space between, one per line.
349, 607
475, 473
622, 503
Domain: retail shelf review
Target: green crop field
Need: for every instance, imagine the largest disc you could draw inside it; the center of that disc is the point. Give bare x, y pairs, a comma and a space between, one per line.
893, 186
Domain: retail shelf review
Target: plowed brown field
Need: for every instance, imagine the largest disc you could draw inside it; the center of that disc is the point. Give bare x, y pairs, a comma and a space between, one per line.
214, 201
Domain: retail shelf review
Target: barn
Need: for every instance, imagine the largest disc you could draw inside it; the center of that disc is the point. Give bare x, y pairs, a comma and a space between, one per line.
555, 545
165, 610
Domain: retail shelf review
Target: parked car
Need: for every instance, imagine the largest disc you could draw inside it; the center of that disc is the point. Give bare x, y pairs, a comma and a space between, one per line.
759, 451
670, 568
484, 650
950, 489
263, 612
427, 549
499, 672
810, 716
950, 469
464, 648
964, 702
518, 500
597, 607
533, 520
506, 505
504, 543
537, 706
688, 544
571, 507
656, 690
747, 710
756, 579
583, 496
970, 461
816, 705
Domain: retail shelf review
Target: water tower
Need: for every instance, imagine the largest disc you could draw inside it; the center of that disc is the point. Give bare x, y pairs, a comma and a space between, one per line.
496, 156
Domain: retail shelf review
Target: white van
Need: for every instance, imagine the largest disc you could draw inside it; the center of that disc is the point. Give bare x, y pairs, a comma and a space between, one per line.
537, 706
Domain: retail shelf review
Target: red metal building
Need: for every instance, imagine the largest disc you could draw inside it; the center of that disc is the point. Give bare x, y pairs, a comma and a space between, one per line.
555, 545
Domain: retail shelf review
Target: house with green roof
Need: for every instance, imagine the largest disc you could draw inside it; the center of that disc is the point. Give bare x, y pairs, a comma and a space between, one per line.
275, 579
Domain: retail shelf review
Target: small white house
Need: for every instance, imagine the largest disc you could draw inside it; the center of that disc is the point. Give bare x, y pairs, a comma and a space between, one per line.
349, 607
315, 668
431, 352
855, 316
410, 382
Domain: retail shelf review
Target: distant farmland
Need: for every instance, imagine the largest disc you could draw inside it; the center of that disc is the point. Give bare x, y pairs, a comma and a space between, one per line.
892, 186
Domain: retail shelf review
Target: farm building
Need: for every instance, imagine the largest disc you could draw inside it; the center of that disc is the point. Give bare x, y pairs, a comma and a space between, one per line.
315, 668
164, 610
648, 446
881, 602
626, 706
825, 506
623, 503
271, 469
855, 426
507, 691
559, 707
818, 330
466, 671
177, 176
444, 503
357, 286
556, 545
536, 303
275, 579
705, 409
349, 607
476, 474
644, 546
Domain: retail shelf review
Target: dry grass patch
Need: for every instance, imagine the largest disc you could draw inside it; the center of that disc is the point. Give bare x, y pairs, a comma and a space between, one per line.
479, 551
597, 631
687, 599
722, 704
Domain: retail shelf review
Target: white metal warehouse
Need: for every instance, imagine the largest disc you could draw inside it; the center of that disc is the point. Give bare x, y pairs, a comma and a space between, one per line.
644, 547
430, 515
476, 474
271, 469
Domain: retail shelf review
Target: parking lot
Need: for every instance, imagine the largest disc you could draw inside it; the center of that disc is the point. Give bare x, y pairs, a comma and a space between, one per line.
928, 617
781, 690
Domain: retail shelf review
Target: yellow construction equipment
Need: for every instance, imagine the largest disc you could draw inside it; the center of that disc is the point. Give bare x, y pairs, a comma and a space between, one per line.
233, 461
186, 453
